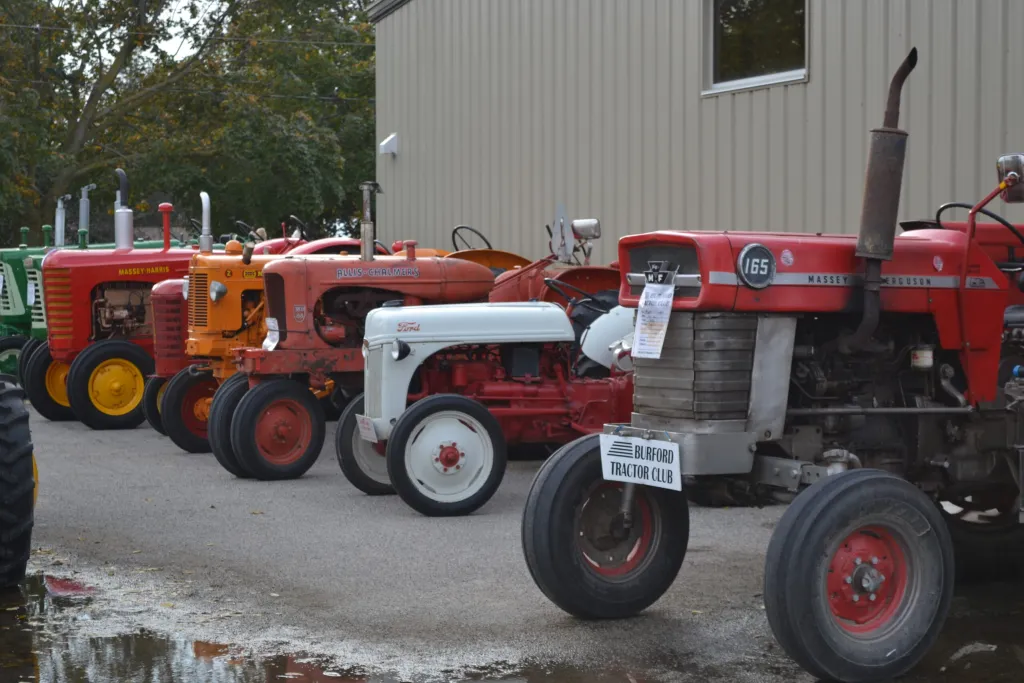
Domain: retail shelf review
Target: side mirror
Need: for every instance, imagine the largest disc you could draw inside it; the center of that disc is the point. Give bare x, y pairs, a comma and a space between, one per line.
1007, 164
586, 228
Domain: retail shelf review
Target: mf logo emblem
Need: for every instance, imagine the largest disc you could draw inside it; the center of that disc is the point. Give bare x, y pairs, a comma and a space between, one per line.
299, 313
658, 273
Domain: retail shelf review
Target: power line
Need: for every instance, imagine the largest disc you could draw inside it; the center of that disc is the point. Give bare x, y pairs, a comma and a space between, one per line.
249, 39
275, 96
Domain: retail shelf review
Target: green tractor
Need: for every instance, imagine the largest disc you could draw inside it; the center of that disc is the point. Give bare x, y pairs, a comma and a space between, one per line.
22, 315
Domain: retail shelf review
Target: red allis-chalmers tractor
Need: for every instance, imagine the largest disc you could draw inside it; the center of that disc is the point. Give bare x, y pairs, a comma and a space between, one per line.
100, 336
193, 355
316, 309
448, 388
876, 373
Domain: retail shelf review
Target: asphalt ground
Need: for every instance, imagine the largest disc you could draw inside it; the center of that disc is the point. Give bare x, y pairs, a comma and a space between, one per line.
179, 545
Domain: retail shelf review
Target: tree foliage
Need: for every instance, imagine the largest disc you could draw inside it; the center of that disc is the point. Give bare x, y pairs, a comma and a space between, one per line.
265, 104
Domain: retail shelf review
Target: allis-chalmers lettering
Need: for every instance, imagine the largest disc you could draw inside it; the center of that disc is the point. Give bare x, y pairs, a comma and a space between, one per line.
144, 271
390, 271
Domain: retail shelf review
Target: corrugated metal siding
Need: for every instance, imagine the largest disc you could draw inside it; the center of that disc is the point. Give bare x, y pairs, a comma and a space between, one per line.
505, 108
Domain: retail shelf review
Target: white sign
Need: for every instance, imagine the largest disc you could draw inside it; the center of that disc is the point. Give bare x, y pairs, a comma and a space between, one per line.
366, 430
641, 461
31, 294
652, 320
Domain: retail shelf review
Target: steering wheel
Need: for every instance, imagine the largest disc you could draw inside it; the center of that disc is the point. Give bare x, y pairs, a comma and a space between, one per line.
586, 302
994, 216
301, 226
457, 235
382, 246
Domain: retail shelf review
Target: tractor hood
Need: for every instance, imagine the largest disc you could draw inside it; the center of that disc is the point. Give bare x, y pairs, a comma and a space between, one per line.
480, 323
789, 272
120, 259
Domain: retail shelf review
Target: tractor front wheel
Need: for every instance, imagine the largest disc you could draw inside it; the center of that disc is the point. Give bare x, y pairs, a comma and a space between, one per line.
45, 384
859, 577
10, 354
152, 395
30, 346
278, 430
362, 462
18, 476
446, 455
185, 409
581, 552
106, 382
218, 428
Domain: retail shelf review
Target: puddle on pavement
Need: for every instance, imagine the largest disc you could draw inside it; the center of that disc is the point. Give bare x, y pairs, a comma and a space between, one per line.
40, 641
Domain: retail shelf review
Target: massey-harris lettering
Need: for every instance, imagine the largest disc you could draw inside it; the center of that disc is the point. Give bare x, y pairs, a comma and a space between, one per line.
152, 270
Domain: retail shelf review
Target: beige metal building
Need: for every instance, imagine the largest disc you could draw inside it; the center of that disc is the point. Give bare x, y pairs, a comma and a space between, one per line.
681, 114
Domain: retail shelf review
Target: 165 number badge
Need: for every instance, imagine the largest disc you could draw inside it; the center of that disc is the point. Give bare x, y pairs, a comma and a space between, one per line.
756, 266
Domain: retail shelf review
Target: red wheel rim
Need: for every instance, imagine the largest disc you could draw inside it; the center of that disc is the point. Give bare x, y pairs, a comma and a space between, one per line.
867, 580
605, 546
192, 416
284, 432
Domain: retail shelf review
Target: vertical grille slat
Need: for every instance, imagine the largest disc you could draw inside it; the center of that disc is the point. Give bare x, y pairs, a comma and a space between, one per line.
198, 300
169, 332
54, 309
8, 305
372, 404
704, 372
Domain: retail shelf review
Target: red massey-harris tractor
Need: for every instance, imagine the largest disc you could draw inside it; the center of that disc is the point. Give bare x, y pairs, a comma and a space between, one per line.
876, 374
449, 388
264, 422
100, 339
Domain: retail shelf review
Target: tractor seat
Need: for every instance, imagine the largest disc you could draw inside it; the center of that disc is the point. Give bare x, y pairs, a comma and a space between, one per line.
1013, 316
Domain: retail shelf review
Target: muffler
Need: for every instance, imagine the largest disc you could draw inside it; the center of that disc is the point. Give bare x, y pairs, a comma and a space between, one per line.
206, 236
367, 233
124, 219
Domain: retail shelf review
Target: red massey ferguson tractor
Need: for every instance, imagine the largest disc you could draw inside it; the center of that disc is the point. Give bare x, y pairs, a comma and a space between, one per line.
266, 423
100, 337
876, 374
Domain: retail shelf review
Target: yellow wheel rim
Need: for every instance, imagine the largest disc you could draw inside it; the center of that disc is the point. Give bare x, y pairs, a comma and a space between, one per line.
57, 383
160, 398
35, 477
115, 386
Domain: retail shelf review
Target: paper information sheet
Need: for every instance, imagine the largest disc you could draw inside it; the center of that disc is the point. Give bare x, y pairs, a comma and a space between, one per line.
652, 320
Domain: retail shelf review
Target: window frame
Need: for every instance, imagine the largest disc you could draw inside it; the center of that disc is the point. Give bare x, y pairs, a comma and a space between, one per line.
710, 88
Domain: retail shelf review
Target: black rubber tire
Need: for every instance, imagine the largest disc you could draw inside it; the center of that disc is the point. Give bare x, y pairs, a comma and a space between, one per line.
550, 545
251, 410
987, 554
26, 351
34, 383
218, 429
151, 405
17, 485
404, 430
798, 560
344, 436
78, 383
14, 343
172, 409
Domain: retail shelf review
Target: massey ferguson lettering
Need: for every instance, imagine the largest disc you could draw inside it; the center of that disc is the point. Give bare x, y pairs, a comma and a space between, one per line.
906, 281
828, 279
846, 280
388, 271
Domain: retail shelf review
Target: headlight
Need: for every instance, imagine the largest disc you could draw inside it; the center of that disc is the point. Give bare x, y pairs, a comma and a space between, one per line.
28, 262
217, 290
184, 289
399, 349
273, 335
366, 349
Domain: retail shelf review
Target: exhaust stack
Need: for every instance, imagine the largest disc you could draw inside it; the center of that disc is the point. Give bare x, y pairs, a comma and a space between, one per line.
83, 213
166, 208
880, 210
59, 221
367, 235
124, 219
206, 237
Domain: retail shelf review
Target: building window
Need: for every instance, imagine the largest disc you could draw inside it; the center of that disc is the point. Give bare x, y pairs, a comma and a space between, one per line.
753, 43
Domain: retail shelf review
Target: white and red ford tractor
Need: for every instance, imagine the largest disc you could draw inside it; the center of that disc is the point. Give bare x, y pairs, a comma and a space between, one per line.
873, 374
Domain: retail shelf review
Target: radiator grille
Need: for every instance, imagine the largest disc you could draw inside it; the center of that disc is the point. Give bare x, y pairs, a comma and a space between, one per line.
682, 259
9, 305
704, 369
168, 332
372, 404
198, 299
55, 307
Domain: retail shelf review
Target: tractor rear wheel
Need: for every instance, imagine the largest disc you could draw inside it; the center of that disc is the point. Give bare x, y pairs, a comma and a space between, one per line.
446, 455
106, 382
577, 547
18, 477
151, 397
26, 352
45, 384
859, 577
218, 428
185, 409
363, 463
278, 430
10, 354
